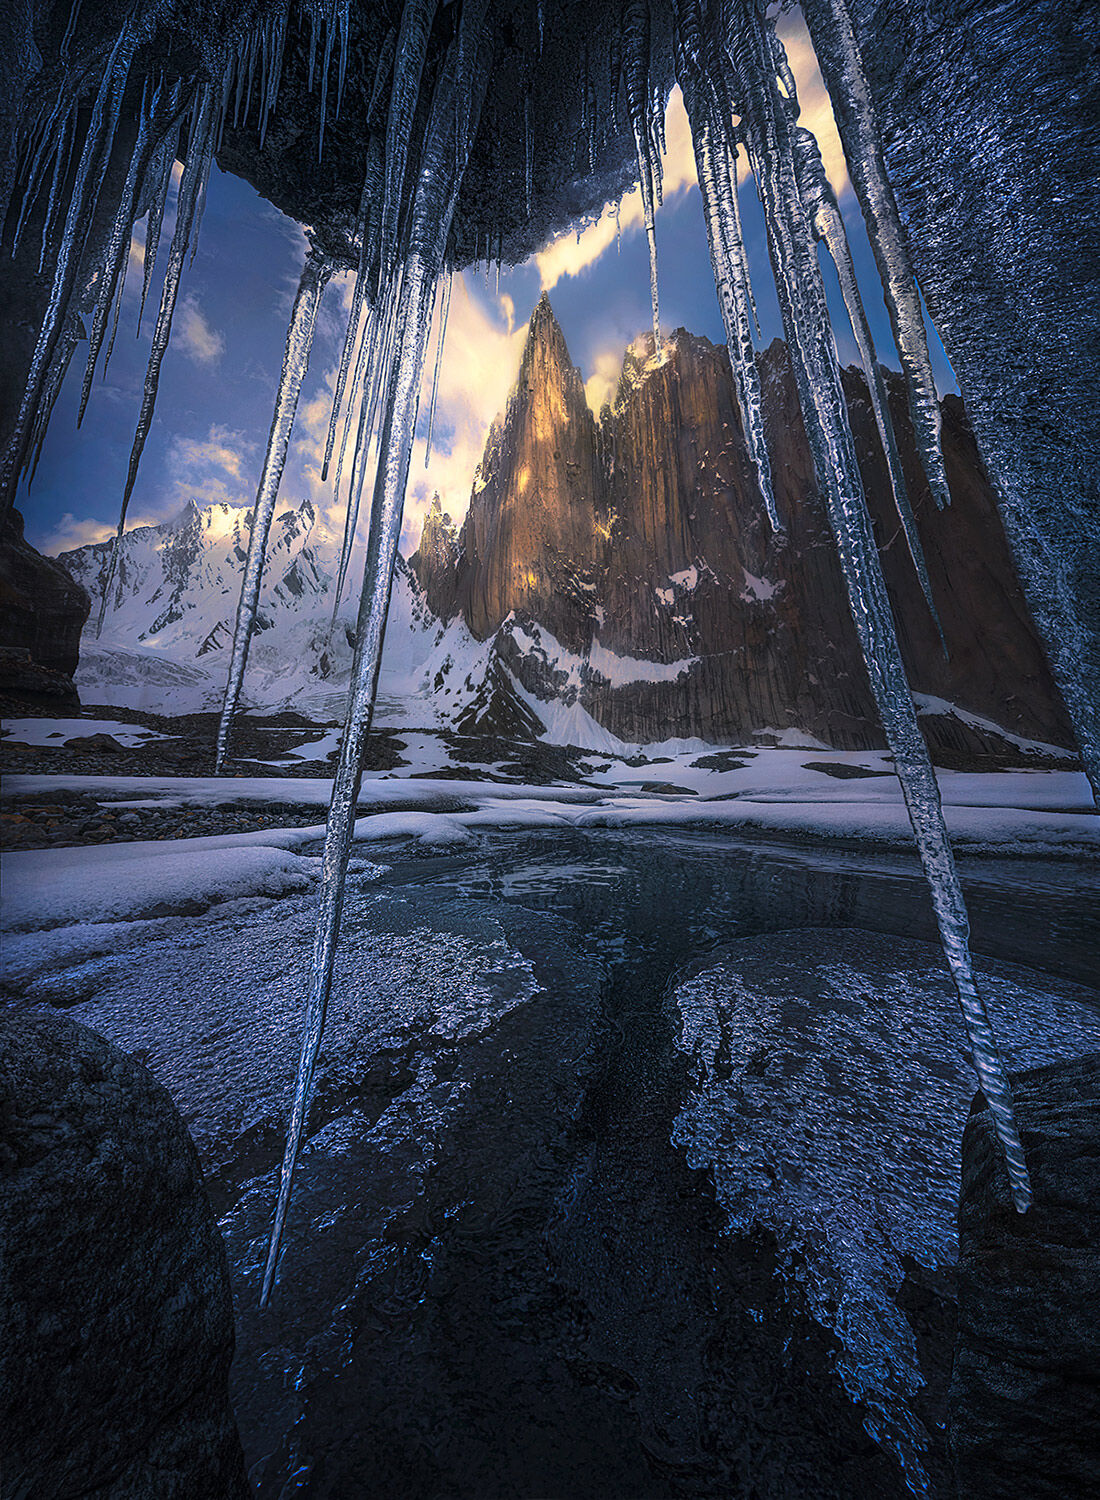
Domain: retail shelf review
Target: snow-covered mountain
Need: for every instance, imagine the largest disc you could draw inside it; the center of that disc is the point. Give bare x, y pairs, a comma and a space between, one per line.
169, 624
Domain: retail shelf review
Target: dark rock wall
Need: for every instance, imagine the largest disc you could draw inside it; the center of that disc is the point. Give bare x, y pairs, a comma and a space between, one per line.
990, 114
116, 1322
1024, 1402
42, 612
646, 536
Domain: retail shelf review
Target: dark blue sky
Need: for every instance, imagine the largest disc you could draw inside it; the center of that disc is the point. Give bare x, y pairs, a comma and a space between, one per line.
219, 375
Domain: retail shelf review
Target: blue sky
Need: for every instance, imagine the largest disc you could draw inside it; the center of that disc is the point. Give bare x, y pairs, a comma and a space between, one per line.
219, 376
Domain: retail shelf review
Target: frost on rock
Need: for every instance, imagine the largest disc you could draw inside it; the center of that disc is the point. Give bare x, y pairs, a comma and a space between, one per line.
299, 340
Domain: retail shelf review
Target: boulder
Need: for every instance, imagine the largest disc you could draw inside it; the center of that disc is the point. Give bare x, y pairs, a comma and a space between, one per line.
42, 612
1024, 1401
116, 1321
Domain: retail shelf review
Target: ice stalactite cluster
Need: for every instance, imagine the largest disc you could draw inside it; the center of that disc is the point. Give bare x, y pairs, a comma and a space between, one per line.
743, 50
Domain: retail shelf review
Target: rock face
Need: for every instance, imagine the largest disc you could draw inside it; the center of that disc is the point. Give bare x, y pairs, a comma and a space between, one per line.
117, 1323
435, 560
42, 612
1024, 1402
639, 544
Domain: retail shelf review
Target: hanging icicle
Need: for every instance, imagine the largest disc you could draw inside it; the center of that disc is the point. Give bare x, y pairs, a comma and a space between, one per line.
813, 354
96, 152
834, 41
200, 148
118, 249
456, 105
716, 168
639, 99
441, 337
299, 341
828, 226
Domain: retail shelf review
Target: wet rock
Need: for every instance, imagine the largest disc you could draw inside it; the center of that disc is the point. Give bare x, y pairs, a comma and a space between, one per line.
1024, 1403
116, 1318
105, 743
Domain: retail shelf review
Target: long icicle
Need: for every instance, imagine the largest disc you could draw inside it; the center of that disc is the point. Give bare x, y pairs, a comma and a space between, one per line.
715, 161
805, 318
118, 250
443, 314
85, 192
833, 37
299, 341
160, 173
199, 151
828, 226
463, 82
635, 31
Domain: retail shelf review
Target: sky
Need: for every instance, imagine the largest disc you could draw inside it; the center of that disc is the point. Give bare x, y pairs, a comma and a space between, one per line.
220, 374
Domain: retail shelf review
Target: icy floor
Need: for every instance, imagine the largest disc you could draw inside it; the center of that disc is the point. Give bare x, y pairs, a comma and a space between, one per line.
564, 1068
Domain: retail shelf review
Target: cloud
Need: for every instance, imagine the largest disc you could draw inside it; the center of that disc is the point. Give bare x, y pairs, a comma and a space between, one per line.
601, 384
193, 335
212, 470
69, 533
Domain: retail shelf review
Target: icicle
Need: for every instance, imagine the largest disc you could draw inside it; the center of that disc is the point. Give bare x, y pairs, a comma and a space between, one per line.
96, 151
834, 41
727, 254
636, 38
443, 312
412, 45
326, 60
462, 82
827, 225
66, 40
371, 180
199, 149
60, 171
118, 250
273, 73
527, 150
813, 354
343, 14
542, 26
299, 340
716, 168
160, 177
47, 146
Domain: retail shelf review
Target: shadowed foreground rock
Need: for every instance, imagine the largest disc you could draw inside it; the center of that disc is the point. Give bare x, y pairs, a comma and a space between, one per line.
116, 1324
1024, 1405
42, 612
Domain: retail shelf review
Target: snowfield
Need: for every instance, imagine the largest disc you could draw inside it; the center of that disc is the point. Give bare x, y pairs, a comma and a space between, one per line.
103, 897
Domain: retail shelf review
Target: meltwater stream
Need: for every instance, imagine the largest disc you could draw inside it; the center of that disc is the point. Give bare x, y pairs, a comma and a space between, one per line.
631, 1163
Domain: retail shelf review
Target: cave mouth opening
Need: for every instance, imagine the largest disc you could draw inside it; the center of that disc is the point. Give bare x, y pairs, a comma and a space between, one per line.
418, 139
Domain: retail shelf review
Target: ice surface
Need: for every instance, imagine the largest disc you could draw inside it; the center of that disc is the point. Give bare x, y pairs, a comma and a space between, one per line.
56, 731
62, 887
831, 1088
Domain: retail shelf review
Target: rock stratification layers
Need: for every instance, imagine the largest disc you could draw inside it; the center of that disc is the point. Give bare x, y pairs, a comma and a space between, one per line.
640, 544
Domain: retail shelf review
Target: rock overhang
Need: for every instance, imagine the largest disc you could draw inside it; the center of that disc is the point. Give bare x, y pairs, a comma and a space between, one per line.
553, 94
